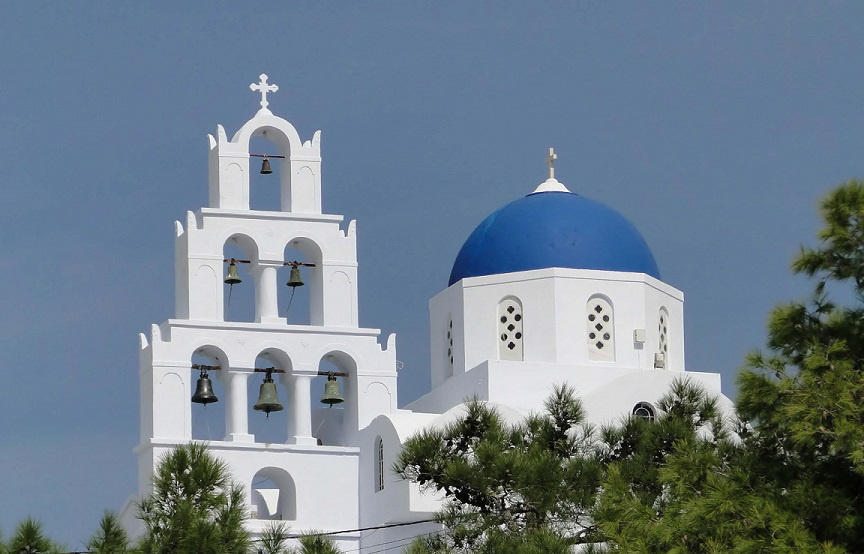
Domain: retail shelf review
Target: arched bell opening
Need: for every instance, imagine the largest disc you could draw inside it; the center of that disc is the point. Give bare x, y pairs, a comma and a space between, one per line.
300, 288
266, 164
239, 281
334, 402
209, 393
269, 401
273, 495
275, 143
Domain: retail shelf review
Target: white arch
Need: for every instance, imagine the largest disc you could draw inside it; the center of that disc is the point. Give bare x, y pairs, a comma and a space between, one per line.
271, 127
275, 504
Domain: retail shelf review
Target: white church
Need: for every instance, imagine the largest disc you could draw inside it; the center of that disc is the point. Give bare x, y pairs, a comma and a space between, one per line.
551, 288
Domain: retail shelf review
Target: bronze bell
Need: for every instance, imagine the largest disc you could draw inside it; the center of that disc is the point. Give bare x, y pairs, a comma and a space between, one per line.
331, 392
294, 279
265, 166
204, 390
268, 400
232, 277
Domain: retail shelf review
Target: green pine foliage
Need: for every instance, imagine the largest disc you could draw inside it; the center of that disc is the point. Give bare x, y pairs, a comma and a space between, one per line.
111, 538
274, 539
806, 397
195, 507
535, 480
30, 538
313, 543
683, 484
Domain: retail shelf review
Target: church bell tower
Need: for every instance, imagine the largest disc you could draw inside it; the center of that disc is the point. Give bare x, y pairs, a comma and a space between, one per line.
223, 247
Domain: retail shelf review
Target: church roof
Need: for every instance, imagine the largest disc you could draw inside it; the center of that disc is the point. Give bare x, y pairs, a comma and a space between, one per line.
553, 227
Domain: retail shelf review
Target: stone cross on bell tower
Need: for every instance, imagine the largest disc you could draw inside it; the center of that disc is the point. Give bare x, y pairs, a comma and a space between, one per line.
264, 88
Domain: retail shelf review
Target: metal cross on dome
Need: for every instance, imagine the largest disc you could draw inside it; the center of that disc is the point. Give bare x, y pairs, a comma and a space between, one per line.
264, 88
550, 161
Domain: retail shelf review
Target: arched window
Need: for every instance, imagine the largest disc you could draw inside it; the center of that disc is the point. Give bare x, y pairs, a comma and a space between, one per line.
274, 495
510, 329
379, 464
663, 333
601, 330
645, 411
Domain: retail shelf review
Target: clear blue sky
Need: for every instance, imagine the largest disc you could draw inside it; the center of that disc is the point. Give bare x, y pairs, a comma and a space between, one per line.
714, 127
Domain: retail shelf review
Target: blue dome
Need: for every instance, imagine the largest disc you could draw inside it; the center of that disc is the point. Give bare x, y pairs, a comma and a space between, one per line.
553, 229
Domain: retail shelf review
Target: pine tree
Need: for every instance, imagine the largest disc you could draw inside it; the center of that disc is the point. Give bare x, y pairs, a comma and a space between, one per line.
29, 538
194, 506
111, 538
530, 483
684, 484
273, 540
313, 543
806, 398
276, 536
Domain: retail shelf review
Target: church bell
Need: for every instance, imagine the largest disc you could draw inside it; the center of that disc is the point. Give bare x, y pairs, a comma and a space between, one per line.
268, 400
232, 277
204, 390
294, 279
265, 166
331, 392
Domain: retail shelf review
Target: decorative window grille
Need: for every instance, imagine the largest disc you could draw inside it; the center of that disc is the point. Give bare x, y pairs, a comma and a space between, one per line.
510, 329
379, 464
449, 345
663, 333
645, 411
601, 332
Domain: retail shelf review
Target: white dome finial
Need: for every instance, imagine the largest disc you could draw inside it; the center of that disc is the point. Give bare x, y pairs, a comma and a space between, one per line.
264, 88
551, 184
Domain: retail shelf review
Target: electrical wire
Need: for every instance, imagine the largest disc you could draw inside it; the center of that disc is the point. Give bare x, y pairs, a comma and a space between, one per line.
385, 526
390, 544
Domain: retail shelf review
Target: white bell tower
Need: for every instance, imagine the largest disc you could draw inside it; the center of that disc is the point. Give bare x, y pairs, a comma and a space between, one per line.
318, 457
